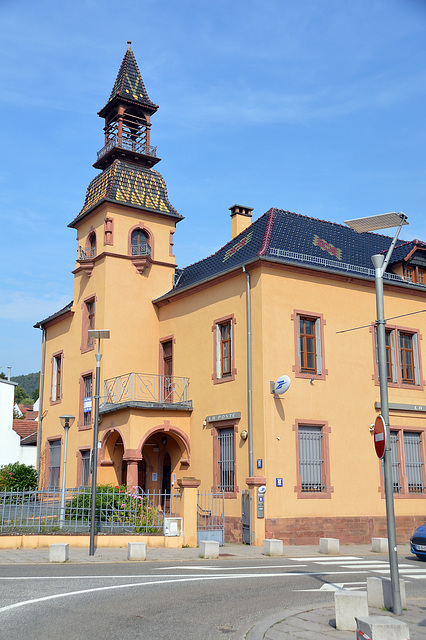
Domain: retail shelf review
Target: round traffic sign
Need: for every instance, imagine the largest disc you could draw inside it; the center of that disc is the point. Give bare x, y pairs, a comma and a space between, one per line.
380, 436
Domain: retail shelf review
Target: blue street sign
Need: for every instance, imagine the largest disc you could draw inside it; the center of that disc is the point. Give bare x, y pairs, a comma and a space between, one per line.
279, 482
259, 463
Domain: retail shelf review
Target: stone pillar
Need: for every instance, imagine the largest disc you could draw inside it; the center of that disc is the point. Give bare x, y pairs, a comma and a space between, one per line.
257, 524
132, 457
188, 509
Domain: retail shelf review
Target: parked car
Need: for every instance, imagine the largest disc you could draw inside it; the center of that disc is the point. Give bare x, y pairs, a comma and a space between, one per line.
418, 542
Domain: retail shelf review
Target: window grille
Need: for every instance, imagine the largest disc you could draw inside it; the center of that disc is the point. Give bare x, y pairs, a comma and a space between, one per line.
226, 459
413, 462
87, 405
310, 459
395, 462
54, 463
85, 468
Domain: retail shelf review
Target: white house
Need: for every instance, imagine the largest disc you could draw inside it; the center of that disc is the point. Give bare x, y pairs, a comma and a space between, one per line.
13, 447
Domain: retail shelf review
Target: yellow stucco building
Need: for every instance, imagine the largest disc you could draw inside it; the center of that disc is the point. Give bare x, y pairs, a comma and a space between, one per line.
187, 376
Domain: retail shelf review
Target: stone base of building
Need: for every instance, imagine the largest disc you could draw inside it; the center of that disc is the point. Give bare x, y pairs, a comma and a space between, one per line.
233, 529
349, 530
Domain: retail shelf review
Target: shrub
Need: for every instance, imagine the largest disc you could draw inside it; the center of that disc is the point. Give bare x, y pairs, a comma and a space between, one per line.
116, 505
16, 476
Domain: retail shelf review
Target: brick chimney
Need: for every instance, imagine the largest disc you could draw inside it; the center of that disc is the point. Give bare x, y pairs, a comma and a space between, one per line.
240, 219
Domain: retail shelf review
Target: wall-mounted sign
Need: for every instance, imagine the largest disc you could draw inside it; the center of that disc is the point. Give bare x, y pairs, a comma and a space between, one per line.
154, 477
394, 406
259, 463
279, 482
236, 415
87, 405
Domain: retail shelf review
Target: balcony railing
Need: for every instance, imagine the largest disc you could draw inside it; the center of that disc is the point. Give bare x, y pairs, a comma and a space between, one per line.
148, 388
141, 249
126, 143
86, 254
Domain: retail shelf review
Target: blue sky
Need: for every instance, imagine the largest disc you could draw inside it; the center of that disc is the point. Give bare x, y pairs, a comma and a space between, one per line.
313, 106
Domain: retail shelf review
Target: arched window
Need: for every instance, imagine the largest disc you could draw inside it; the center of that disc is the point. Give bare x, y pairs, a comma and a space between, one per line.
139, 243
92, 240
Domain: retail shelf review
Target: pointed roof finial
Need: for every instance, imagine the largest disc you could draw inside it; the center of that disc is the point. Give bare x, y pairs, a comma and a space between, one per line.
129, 42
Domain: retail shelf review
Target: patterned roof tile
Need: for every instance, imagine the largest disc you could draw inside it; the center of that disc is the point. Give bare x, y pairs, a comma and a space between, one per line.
129, 83
131, 185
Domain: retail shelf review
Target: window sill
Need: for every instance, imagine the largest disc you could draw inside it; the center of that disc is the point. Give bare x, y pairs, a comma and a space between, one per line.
314, 495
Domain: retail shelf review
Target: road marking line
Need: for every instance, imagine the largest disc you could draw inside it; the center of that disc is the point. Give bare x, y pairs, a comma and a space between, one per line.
326, 558
55, 596
204, 568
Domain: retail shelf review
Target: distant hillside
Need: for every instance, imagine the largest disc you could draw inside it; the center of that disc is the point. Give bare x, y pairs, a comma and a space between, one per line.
30, 382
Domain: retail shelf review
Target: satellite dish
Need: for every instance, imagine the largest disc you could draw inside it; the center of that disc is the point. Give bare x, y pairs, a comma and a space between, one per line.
281, 385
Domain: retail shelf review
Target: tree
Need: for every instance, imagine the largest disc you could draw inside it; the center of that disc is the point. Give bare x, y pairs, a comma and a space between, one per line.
35, 394
3, 376
21, 396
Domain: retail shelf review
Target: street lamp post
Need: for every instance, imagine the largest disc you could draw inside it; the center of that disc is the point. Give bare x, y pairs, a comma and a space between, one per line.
66, 421
99, 335
373, 223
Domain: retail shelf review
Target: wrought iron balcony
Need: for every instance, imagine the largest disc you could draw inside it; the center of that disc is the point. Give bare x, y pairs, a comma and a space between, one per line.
86, 254
145, 390
141, 249
130, 145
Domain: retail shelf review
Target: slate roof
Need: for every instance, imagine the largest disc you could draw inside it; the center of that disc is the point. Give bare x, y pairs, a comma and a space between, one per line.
129, 84
39, 325
128, 184
286, 237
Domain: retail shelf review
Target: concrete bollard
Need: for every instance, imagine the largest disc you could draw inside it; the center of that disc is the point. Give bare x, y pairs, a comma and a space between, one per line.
272, 547
136, 551
329, 545
381, 628
349, 605
209, 549
379, 593
59, 552
379, 545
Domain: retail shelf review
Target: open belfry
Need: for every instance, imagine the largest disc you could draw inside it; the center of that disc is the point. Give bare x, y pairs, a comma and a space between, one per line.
196, 358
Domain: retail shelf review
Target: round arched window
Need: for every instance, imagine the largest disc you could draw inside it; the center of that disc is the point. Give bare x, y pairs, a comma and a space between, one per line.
139, 243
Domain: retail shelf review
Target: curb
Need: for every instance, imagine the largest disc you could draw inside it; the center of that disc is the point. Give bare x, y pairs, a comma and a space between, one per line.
257, 632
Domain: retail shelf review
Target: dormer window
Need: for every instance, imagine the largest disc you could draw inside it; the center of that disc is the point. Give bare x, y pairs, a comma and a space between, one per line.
415, 274
139, 243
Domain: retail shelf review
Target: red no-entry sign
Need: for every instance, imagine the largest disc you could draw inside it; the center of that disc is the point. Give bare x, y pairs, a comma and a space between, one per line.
380, 436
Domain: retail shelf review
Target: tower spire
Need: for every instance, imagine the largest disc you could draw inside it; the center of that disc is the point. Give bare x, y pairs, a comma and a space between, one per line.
128, 118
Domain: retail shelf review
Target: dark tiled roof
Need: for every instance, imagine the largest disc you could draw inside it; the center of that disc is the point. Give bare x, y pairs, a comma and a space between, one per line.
237, 252
61, 312
129, 84
404, 249
131, 185
284, 236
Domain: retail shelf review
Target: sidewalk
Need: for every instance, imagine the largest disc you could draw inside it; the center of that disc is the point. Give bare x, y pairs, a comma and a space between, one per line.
314, 623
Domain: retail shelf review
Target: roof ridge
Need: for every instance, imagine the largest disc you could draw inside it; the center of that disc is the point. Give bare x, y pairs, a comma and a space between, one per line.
268, 231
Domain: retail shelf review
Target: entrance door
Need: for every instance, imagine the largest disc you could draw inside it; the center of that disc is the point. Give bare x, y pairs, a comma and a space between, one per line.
167, 390
166, 482
246, 516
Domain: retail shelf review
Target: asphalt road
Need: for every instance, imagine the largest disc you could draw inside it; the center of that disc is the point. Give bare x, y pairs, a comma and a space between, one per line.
201, 600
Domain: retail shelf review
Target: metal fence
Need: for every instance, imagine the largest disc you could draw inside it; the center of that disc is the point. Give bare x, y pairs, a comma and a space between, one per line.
118, 510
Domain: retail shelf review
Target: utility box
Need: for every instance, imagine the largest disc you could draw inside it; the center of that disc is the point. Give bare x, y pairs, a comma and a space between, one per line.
173, 527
